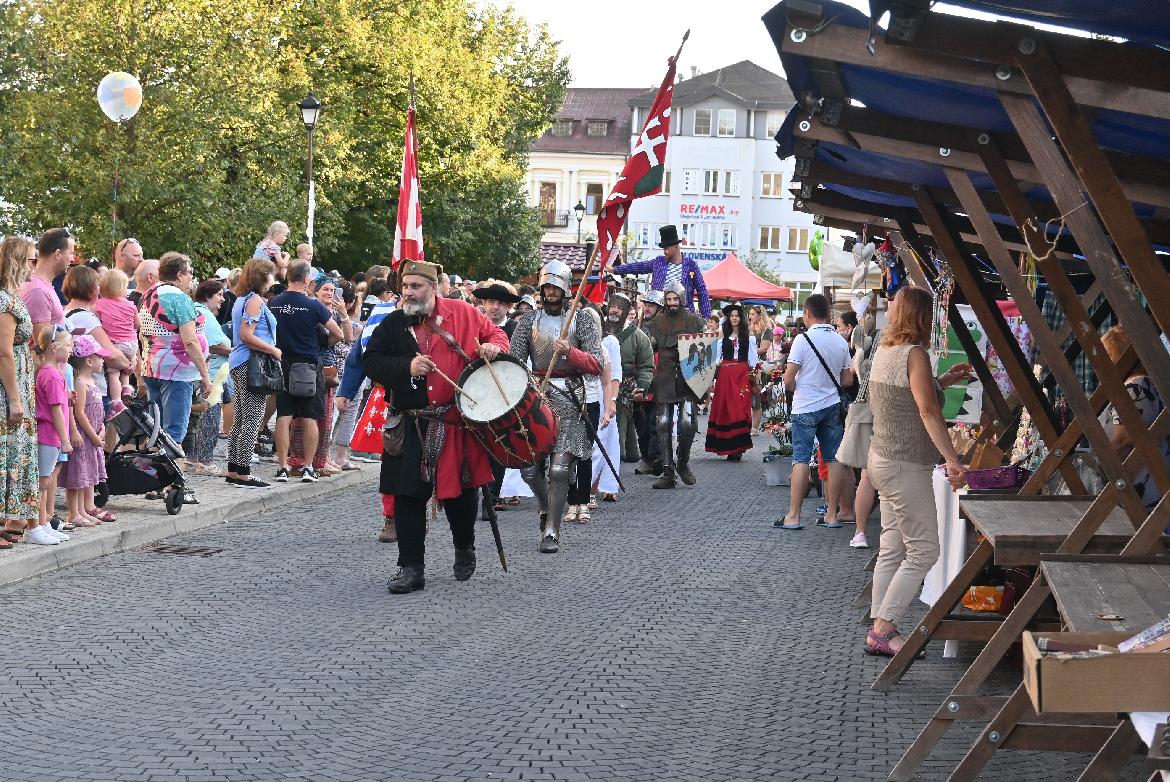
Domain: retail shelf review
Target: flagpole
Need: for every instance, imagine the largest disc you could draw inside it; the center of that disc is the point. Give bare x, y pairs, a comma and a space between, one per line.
589, 263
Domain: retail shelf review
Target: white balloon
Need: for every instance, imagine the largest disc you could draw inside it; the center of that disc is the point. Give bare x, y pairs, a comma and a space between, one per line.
120, 96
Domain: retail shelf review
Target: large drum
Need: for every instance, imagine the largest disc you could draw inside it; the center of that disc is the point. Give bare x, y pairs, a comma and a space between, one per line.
510, 418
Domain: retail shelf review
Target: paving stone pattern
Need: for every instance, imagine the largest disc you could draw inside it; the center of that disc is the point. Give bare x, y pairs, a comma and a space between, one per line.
678, 637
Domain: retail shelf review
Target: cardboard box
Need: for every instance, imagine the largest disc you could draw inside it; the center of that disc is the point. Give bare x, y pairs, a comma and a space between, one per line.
1110, 683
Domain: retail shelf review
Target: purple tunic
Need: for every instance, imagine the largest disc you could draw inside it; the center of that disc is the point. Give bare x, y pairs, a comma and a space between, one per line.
692, 279
87, 464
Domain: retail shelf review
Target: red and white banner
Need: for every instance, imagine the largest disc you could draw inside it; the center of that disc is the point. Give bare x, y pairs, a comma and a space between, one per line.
367, 437
408, 238
642, 175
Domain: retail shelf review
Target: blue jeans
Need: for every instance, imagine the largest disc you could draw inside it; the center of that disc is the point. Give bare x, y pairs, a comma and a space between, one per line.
173, 398
826, 426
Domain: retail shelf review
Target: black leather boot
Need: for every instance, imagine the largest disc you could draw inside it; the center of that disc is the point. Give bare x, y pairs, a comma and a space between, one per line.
667, 479
406, 580
464, 563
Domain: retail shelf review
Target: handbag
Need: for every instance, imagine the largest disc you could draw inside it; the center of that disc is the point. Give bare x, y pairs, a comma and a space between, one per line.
264, 374
302, 379
854, 448
394, 434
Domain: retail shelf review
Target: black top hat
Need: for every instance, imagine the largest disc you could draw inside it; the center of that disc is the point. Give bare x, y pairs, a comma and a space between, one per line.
727, 308
668, 236
495, 292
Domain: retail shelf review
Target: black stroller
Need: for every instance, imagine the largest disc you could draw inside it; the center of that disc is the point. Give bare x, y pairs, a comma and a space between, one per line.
150, 466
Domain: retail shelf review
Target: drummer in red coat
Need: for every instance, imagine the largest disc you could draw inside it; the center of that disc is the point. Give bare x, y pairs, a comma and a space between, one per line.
446, 461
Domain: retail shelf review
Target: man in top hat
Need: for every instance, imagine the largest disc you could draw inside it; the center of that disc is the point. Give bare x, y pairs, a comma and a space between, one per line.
672, 266
637, 370
537, 337
674, 401
409, 353
497, 297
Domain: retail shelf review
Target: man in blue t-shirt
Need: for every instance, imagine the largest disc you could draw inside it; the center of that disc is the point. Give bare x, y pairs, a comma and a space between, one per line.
301, 322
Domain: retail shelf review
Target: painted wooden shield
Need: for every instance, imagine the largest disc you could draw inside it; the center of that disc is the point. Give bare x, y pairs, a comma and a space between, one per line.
698, 357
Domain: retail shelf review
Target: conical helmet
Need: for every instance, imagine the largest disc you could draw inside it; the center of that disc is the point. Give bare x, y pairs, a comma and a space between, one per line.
675, 288
559, 274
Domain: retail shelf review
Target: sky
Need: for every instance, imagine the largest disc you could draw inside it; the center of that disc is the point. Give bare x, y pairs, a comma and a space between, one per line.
625, 43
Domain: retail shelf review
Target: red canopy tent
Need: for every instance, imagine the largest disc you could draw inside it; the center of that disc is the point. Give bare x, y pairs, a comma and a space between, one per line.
730, 279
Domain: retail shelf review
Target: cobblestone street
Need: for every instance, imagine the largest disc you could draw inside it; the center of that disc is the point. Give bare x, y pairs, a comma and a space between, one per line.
677, 637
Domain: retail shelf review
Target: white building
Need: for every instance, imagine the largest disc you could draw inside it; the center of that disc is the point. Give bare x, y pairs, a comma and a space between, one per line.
724, 187
578, 159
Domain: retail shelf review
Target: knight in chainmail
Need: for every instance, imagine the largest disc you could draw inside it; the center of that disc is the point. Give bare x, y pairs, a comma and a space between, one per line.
537, 337
674, 400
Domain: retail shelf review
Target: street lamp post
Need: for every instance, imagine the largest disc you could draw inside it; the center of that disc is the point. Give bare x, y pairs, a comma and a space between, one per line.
579, 210
310, 112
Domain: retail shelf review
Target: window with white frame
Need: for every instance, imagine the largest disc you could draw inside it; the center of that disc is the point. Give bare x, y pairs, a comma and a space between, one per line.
775, 120
688, 234
702, 122
730, 183
771, 184
711, 181
770, 237
562, 127
665, 182
597, 127
690, 181
729, 236
708, 235
797, 240
726, 122
642, 234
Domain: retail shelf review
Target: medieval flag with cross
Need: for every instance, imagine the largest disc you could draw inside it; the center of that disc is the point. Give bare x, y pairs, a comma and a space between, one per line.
408, 238
642, 175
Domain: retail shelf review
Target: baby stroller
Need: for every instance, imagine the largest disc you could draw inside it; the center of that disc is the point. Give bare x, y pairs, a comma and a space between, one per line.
150, 466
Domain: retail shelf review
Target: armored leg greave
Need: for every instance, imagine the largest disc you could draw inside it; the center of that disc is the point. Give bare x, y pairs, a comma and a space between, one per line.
559, 475
665, 426
687, 426
535, 477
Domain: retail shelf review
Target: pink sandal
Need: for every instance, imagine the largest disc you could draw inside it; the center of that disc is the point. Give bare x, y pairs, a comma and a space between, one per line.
878, 644
101, 515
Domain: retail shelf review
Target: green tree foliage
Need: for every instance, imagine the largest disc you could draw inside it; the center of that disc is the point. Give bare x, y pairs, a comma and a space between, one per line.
218, 151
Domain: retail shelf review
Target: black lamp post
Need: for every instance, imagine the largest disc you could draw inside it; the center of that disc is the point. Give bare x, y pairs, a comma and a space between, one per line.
310, 112
579, 210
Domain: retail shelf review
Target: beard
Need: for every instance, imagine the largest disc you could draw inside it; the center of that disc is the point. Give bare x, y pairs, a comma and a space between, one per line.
553, 306
673, 309
423, 308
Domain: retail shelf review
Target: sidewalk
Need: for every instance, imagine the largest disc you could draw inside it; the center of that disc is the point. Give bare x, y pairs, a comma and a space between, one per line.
141, 522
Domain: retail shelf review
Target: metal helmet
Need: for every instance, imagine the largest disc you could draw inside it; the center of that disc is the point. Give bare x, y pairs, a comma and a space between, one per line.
675, 288
559, 274
654, 297
621, 298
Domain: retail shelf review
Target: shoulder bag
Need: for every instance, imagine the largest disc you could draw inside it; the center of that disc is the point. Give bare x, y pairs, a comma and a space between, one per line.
842, 399
854, 448
264, 373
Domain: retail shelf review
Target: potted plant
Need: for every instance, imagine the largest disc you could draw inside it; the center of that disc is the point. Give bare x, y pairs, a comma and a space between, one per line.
778, 457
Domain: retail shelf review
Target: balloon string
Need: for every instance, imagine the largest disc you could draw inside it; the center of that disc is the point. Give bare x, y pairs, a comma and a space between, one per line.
114, 212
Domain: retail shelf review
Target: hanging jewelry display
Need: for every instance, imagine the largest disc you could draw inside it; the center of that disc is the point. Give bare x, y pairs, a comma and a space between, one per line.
888, 261
943, 288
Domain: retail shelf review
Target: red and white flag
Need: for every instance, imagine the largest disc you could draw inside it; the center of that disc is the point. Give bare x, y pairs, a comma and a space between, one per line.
367, 436
408, 238
642, 175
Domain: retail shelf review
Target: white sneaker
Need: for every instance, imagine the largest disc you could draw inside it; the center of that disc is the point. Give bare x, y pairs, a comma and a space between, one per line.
859, 541
42, 536
61, 536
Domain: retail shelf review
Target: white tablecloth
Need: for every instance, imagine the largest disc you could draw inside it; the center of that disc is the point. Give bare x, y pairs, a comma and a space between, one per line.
952, 538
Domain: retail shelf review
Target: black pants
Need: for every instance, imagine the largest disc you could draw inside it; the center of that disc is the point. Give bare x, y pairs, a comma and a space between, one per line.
580, 489
410, 515
647, 430
498, 483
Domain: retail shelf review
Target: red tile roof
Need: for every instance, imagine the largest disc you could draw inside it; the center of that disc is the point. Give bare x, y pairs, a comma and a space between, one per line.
583, 104
568, 252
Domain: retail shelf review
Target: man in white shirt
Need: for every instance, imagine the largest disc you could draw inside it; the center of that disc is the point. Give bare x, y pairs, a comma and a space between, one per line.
818, 368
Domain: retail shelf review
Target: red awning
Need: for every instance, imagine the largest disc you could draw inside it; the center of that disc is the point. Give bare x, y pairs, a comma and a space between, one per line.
730, 279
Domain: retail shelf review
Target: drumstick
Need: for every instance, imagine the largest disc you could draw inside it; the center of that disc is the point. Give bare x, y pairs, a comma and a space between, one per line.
454, 385
492, 371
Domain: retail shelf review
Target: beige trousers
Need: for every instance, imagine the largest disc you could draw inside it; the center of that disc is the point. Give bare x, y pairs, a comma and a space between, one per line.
909, 544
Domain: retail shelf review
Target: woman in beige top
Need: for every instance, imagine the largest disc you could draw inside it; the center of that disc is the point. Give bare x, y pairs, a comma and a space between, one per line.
909, 434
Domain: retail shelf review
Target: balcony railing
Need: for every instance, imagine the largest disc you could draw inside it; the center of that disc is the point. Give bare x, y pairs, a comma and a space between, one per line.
550, 218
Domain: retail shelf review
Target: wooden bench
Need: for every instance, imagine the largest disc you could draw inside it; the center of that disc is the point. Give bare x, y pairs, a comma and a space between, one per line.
1016, 532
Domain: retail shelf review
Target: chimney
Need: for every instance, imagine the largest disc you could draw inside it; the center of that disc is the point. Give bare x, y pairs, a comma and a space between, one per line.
694, 71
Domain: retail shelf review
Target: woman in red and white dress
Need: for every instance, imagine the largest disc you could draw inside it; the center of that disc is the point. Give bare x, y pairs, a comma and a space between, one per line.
730, 422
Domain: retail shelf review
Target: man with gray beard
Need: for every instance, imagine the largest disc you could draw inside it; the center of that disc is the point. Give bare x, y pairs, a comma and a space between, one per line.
637, 370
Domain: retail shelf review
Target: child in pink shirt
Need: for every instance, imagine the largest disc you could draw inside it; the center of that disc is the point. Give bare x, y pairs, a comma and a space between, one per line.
119, 318
53, 408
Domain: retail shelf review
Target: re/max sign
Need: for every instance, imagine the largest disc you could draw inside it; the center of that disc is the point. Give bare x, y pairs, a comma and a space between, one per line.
712, 210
